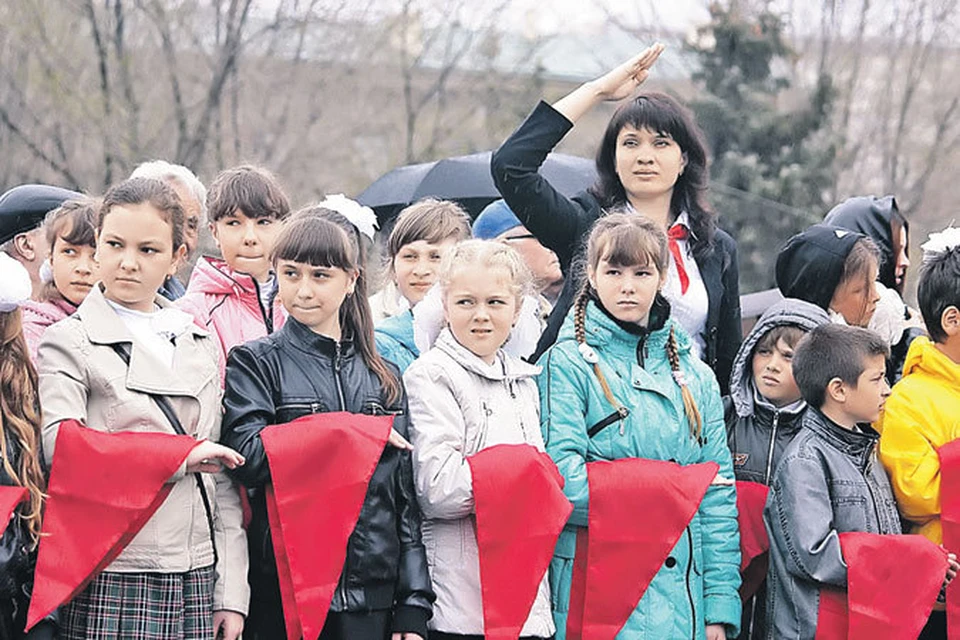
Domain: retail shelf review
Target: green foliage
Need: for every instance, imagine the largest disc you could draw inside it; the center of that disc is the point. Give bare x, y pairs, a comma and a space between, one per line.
772, 154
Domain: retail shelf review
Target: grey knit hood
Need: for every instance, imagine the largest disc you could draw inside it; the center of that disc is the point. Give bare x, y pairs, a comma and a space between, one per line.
788, 311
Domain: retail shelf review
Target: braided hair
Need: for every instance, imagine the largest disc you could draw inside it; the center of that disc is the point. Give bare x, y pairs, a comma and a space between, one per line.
627, 239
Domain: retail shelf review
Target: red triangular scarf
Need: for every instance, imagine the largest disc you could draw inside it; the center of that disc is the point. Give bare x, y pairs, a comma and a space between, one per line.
892, 583
521, 511
320, 466
638, 511
754, 544
103, 488
950, 522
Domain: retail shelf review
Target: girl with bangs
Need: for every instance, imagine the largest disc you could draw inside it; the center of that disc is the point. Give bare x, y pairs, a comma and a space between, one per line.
622, 381
324, 359
69, 273
652, 160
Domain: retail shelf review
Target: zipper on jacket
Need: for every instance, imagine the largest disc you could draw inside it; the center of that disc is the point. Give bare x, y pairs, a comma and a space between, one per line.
873, 498
773, 440
619, 414
513, 396
336, 376
267, 319
693, 609
312, 407
642, 350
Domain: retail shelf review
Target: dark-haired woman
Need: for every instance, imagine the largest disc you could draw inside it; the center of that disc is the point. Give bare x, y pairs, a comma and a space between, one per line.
653, 160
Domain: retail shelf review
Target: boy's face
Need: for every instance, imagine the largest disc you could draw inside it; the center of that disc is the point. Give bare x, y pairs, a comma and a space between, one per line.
864, 402
773, 374
246, 242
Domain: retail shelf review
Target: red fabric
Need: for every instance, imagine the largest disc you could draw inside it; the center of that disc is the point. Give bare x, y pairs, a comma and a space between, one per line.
10, 497
950, 521
892, 583
103, 488
625, 551
320, 466
521, 510
754, 545
674, 234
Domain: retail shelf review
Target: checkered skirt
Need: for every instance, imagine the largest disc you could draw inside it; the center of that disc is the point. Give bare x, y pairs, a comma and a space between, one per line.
145, 606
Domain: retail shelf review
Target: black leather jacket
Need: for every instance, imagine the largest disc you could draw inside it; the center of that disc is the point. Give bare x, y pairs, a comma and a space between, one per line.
289, 374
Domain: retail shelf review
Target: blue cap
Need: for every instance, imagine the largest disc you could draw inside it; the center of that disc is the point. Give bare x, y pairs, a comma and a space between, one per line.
494, 220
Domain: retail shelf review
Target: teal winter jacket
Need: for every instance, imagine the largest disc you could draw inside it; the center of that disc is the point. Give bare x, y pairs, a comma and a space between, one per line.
699, 587
395, 342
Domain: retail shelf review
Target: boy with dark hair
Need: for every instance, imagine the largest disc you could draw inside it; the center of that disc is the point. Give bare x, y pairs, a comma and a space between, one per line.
922, 412
235, 297
828, 481
763, 414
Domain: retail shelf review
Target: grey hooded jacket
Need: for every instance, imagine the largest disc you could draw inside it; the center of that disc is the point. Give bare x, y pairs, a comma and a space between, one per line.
829, 482
758, 432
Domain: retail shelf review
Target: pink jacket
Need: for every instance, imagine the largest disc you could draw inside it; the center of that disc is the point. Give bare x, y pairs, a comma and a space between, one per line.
37, 316
227, 303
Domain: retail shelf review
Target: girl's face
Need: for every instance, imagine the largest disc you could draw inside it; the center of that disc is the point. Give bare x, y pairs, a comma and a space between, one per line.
313, 295
481, 309
246, 243
416, 265
648, 162
856, 299
136, 254
627, 292
901, 261
75, 269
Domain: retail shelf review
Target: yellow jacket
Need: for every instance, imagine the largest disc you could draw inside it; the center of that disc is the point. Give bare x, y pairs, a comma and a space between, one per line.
921, 415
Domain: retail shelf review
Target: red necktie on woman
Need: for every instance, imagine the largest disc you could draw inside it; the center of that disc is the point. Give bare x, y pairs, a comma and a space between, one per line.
676, 233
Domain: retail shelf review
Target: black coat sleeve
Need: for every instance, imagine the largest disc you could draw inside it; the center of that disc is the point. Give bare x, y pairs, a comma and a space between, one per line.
248, 408
558, 222
414, 605
729, 329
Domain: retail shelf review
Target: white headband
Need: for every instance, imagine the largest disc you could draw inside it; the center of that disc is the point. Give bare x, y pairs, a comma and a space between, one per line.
15, 285
363, 218
940, 242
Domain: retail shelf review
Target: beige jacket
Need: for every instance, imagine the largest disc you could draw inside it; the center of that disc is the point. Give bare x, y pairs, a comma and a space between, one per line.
458, 406
83, 378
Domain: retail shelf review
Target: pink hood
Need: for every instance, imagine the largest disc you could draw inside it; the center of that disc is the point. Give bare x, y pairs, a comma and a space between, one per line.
37, 316
227, 303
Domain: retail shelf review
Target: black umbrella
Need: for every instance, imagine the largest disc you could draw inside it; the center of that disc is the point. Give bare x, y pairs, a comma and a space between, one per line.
467, 180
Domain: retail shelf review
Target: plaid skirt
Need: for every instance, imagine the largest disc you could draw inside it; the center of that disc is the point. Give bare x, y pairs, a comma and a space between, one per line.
145, 606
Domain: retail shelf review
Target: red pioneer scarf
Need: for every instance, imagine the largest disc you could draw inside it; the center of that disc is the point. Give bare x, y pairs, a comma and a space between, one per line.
521, 510
892, 583
621, 551
754, 545
103, 488
950, 522
320, 466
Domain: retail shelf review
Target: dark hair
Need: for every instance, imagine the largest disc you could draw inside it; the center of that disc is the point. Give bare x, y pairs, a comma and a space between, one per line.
833, 351
663, 114
324, 238
74, 222
252, 190
159, 195
789, 333
431, 220
939, 288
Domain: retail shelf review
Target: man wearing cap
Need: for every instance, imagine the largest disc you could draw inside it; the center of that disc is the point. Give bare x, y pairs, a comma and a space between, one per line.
22, 210
498, 222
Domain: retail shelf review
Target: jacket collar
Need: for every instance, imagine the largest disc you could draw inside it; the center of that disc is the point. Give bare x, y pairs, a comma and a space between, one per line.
856, 445
505, 367
923, 356
603, 331
191, 372
311, 342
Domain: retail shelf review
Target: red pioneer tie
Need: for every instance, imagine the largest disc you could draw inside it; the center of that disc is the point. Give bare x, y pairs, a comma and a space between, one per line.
754, 545
676, 233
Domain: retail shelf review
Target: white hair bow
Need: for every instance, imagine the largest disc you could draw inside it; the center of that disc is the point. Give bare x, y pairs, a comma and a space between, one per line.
363, 218
939, 243
15, 285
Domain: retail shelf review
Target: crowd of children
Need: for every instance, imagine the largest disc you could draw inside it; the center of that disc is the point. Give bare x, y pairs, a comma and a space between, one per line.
632, 292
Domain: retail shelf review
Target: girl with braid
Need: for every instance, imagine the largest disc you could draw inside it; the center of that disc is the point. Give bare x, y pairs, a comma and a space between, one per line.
622, 381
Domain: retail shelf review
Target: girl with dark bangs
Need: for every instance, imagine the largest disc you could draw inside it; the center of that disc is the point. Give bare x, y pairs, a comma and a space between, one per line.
652, 160
69, 273
324, 359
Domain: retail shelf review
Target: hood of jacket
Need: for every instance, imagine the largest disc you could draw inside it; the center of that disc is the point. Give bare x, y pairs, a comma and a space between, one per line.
872, 217
810, 264
786, 312
44, 314
924, 357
